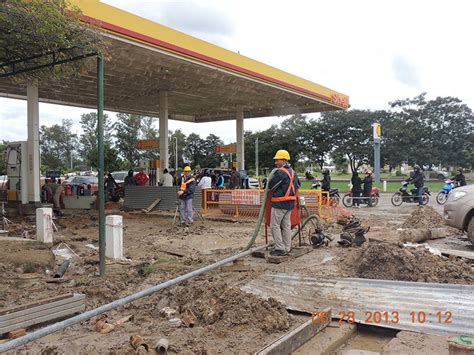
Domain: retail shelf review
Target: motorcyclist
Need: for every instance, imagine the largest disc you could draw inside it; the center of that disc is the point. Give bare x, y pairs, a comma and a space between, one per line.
326, 181
418, 180
367, 190
459, 178
356, 182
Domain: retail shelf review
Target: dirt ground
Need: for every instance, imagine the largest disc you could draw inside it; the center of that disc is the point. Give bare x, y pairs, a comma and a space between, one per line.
227, 319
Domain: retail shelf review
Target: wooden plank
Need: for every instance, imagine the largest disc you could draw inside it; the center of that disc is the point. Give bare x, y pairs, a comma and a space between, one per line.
41, 313
48, 317
153, 204
46, 306
35, 303
296, 338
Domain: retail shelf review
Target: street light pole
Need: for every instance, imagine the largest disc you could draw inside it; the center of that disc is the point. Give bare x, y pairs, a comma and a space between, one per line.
175, 153
256, 157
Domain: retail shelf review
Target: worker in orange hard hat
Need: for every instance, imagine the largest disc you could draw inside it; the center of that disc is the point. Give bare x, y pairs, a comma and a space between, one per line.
185, 194
284, 185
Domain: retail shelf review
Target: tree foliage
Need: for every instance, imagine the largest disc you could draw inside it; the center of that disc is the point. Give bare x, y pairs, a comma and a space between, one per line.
43, 29
57, 143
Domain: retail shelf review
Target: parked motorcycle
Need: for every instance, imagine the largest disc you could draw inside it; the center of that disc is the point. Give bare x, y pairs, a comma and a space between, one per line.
375, 195
403, 195
334, 196
444, 192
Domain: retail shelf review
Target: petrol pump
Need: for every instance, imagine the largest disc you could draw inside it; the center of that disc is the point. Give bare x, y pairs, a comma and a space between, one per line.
17, 170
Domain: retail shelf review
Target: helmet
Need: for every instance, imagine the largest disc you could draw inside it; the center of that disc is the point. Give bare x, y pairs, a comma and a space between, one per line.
326, 172
416, 168
460, 170
282, 154
187, 168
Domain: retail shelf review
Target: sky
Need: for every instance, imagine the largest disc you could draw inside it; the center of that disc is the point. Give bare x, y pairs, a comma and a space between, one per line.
373, 51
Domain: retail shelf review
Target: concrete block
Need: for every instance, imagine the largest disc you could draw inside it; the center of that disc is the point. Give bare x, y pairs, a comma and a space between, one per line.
114, 237
44, 225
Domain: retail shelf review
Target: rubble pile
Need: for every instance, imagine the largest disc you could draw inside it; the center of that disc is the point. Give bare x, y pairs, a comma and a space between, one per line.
386, 261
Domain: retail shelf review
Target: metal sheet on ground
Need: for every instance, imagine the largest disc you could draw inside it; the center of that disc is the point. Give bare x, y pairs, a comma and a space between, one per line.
421, 307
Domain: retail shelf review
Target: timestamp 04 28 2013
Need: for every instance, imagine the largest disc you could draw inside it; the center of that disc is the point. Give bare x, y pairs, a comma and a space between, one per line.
386, 317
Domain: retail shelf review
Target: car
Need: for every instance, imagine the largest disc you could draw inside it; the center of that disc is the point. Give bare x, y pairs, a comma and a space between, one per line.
436, 174
119, 177
459, 210
79, 180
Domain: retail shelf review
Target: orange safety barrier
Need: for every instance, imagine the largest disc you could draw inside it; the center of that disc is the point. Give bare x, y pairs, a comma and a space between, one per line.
246, 203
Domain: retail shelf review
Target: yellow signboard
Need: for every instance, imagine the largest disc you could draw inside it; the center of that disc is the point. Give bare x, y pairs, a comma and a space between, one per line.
229, 148
145, 144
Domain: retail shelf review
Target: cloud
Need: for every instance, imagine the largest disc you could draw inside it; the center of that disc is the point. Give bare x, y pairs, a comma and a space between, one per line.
405, 72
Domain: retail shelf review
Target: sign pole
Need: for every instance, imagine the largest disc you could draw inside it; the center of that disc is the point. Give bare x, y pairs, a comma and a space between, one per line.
256, 157
377, 138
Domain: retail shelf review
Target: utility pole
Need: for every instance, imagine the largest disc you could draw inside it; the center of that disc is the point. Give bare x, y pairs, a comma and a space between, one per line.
176, 153
377, 137
256, 157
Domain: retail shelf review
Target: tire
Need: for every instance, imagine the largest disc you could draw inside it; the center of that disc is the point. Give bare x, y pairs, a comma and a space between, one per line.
397, 199
470, 230
441, 198
347, 200
375, 200
425, 199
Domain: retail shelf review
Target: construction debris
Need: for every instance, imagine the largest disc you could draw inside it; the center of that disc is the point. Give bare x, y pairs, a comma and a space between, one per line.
138, 343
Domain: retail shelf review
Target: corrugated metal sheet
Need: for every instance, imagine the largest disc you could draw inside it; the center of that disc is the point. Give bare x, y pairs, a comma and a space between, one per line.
363, 296
139, 197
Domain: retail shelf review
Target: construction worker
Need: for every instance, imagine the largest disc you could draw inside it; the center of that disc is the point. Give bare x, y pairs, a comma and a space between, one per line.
185, 194
284, 184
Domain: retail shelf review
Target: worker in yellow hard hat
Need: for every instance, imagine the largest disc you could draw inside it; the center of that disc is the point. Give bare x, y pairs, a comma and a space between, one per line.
185, 194
284, 185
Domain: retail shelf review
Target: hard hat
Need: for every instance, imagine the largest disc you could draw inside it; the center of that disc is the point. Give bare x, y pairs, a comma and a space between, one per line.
187, 168
282, 154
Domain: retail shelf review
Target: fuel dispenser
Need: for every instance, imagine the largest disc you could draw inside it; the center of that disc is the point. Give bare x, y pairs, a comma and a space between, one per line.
17, 170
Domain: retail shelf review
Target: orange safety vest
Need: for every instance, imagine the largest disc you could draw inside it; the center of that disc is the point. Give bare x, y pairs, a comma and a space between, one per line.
185, 183
291, 188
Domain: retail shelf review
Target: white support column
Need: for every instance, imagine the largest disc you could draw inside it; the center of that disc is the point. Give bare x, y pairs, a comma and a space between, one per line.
240, 138
114, 237
164, 154
33, 166
44, 225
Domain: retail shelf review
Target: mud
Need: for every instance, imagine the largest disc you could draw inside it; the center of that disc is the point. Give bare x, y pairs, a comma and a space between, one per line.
385, 261
425, 217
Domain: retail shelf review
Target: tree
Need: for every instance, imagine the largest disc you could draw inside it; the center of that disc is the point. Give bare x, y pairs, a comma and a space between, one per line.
127, 134
48, 31
57, 143
211, 158
88, 142
195, 150
350, 134
3, 163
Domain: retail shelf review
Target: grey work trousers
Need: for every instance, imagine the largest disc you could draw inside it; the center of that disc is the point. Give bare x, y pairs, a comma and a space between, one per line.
186, 211
281, 229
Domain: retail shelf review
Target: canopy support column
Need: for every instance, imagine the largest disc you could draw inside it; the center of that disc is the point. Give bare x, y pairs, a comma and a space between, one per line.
33, 145
164, 153
240, 139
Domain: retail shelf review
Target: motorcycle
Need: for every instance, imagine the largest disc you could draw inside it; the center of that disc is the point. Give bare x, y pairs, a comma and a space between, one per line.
403, 195
444, 192
375, 195
334, 196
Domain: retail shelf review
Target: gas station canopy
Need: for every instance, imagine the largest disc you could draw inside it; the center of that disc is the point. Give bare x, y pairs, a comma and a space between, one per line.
204, 82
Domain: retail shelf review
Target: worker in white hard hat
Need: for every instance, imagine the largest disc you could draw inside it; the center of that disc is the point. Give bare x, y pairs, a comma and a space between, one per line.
284, 185
185, 194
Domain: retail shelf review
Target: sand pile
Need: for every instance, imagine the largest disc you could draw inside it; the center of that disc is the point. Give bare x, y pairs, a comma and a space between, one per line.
425, 217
